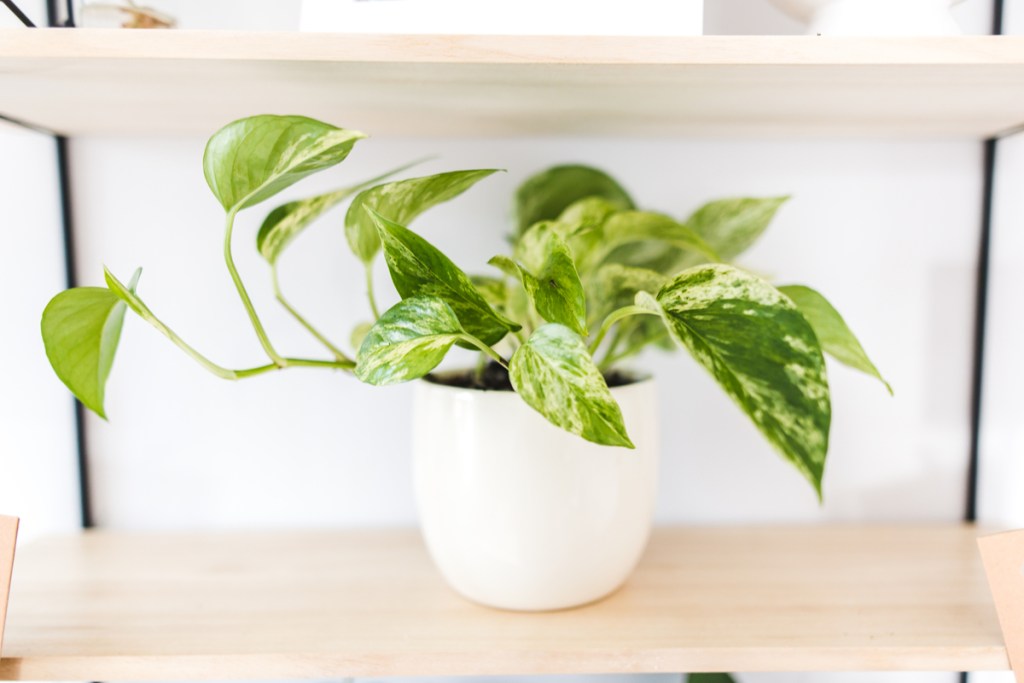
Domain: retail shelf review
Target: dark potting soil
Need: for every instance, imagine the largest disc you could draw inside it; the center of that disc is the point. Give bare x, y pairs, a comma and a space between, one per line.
495, 378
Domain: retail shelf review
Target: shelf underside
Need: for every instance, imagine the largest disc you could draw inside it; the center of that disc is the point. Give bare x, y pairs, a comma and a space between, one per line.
112, 606
168, 82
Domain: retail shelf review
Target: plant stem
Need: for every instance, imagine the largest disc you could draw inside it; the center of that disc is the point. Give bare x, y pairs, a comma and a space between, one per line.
338, 353
246, 301
369, 291
485, 348
614, 317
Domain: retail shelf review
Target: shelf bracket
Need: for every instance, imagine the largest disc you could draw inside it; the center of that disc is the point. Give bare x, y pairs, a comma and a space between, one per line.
8, 539
1003, 556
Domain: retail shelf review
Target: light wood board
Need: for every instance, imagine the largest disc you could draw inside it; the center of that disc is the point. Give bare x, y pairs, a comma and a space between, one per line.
91, 81
8, 543
110, 606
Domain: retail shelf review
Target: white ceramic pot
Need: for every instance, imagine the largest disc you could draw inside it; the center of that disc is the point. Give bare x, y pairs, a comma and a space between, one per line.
874, 17
521, 515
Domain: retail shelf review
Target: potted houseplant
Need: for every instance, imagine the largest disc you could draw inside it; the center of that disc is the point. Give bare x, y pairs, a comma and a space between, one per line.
535, 469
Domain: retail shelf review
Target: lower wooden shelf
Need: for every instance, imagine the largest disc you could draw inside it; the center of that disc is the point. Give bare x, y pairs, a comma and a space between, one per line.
110, 606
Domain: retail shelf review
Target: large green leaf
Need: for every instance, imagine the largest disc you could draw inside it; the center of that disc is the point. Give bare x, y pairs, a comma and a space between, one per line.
762, 351
547, 194
253, 159
283, 224
402, 201
419, 269
81, 328
408, 341
555, 375
615, 285
730, 226
835, 336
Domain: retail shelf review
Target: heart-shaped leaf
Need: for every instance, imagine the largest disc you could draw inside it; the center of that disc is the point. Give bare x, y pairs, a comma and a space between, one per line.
408, 341
283, 224
544, 196
730, 226
402, 201
835, 336
253, 159
555, 375
762, 351
419, 269
81, 328
548, 274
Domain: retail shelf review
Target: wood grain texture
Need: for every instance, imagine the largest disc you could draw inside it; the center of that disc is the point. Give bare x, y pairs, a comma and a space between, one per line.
8, 542
91, 81
1003, 558
110, 606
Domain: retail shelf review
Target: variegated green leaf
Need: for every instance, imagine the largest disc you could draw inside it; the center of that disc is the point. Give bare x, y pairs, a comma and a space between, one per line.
492, 289
547, 194
835, 336
730, 226
419, 269
549, 275
253, 159
555, 375
615, 285
284, 223
81, 328
359, 333
628, 227
408, 341
402, 201
762, 351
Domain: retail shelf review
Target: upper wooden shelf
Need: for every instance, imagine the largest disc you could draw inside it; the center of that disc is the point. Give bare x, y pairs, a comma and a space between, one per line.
110, 606
144, 82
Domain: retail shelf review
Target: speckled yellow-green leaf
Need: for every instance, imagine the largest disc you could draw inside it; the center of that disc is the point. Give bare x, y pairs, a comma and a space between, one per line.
419, 269
252, 159
408, 341
401, 202
762, 351
555, 375
81, 328
284, 223
836, 338
629, 227
549, 276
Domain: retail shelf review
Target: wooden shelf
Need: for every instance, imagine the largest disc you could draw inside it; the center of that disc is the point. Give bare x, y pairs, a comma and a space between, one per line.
145, 82
114, 606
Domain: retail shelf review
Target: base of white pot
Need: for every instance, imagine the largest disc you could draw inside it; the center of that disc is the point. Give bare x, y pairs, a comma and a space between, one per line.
520, 515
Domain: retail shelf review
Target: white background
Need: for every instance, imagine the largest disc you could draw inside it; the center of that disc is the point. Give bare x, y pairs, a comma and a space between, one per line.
887, 229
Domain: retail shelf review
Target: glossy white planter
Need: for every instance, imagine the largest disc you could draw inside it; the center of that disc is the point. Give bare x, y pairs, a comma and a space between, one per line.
874, 17
521, 515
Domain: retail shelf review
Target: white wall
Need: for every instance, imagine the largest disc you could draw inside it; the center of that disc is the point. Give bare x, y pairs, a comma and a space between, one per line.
886, 229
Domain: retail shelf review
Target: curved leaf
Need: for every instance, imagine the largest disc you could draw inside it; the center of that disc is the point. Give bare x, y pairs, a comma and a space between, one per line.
547, 194
419, 269
615, 285
283, 224
762, 351
663, 232
252, 159
550, 278
555, 375
730, 226
835, 336
408, 341
81, 328
402, 201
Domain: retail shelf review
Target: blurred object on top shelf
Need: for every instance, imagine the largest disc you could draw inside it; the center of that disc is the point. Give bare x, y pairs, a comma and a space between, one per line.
125, 14
505, 17
874, 17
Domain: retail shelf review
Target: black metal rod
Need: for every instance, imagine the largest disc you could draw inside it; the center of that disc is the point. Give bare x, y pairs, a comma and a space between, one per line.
16, 11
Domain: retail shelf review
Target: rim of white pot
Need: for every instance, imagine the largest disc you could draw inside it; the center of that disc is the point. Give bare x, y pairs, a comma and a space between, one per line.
436, 379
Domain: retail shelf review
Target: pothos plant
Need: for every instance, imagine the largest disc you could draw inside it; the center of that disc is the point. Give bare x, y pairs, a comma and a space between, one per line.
590, 281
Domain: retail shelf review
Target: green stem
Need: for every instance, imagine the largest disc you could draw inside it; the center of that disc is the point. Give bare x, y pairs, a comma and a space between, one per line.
338, 353
369, 291
614, 317
486, 349
246, 301
610, 349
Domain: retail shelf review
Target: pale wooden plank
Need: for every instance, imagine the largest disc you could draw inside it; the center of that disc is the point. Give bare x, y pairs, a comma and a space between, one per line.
8, 542
110, 606
124, 82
